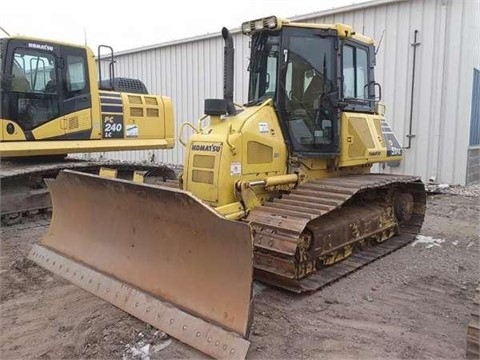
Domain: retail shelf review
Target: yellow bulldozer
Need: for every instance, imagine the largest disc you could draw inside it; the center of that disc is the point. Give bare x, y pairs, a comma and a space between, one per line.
278, 189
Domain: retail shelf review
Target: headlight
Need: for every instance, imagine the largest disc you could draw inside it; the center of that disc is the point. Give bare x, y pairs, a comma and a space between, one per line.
268, 23
271, 22
258, 25
246, 28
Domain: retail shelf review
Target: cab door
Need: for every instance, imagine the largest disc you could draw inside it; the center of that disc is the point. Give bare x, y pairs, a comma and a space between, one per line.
30, 92
75, 91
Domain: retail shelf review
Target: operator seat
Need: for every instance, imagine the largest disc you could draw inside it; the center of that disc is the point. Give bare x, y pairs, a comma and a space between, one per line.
51, 86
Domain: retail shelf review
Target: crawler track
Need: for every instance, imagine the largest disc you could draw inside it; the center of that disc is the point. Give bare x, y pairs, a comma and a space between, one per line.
23, 191
323, 221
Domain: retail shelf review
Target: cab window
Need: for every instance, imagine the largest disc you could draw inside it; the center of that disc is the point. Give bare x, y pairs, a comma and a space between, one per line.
355, 72
33, 97
76, 86
308, 78
33, 71
76, 76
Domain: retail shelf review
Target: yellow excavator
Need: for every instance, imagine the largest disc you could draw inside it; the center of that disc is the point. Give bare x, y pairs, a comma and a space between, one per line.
278, 189
54, 102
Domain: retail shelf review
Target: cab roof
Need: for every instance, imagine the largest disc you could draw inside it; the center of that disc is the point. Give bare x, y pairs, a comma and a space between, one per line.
274, 23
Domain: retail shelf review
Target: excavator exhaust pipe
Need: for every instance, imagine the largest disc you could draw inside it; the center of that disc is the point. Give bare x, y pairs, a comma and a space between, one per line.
158, 253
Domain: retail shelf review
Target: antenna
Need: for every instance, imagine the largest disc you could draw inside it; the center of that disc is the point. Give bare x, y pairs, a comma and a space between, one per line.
85, 35
380, 42
5, 31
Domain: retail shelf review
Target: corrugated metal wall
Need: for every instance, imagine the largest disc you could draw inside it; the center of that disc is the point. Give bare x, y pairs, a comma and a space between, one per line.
191, 71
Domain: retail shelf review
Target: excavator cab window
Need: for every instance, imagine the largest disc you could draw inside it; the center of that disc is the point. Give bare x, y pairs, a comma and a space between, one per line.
75, 85
76, 82
33, 92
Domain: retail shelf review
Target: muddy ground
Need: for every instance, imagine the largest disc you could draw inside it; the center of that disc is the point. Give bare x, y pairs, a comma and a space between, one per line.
414, 303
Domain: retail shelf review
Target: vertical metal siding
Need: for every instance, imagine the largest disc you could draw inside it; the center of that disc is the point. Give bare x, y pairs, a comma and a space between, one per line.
191, 71
475, 111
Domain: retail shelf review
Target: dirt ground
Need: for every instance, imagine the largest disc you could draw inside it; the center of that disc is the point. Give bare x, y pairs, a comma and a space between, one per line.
414, 303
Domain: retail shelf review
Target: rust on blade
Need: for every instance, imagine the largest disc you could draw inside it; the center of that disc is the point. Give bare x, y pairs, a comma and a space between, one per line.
164, 242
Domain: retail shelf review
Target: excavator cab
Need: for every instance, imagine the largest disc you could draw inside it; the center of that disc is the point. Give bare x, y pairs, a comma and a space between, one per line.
50, 95
42, 82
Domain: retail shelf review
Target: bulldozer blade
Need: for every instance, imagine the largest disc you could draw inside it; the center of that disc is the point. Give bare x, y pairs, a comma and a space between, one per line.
156, 252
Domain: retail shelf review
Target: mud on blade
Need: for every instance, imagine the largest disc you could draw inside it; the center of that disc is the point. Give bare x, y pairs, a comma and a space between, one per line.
157, 253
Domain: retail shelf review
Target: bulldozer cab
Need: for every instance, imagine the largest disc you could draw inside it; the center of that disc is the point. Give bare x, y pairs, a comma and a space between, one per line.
313, 73
42, 81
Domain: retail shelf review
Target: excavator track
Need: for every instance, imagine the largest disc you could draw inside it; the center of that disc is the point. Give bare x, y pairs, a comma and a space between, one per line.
347, 221
23, 191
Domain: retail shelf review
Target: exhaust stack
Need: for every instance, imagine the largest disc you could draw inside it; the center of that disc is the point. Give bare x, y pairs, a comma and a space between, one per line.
228, 68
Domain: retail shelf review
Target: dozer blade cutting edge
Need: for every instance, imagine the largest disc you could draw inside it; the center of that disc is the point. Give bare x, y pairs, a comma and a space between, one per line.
157, 253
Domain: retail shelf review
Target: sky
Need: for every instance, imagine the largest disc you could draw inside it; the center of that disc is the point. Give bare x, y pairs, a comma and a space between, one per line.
131, 24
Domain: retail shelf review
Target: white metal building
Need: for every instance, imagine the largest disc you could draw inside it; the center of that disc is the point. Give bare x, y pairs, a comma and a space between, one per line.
445, 111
